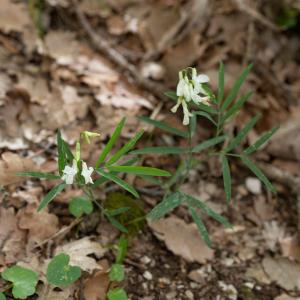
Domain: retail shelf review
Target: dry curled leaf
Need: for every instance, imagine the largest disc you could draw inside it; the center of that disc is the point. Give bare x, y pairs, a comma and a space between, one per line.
79, 252
12, 163
182, 239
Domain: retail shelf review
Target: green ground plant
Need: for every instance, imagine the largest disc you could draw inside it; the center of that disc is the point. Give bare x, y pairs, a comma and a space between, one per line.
122, 211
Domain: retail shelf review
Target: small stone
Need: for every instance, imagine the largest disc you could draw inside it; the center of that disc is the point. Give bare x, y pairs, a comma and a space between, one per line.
145, 260
249, 285
164, 280
147, 275
189, 295
171, 295
253, 185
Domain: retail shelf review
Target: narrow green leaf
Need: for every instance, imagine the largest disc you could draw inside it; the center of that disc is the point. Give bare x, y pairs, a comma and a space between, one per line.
206, 209
262, 140
160, 150
207, 108
69, 155
164, 126
51, 195
116, 273
110, 143
61, 153
239, 103
117, 211
258, 173
170, 202
117, 224
236, 87
102, 179
127, 147
151, 179
245, 130
200, 225
118, 181
172, 95
39, 175
138, 170
226, 178
221, 83
122, 249
205, 115
209, 143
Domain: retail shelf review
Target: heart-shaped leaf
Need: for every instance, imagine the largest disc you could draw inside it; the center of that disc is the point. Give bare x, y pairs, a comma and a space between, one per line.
117, 294
116, 272
60, 273
79, 206
2, 296
24, 281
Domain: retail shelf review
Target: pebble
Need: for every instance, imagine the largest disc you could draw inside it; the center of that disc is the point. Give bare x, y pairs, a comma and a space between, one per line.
253, 185
189, 295
171, 295
145, 260
147, 275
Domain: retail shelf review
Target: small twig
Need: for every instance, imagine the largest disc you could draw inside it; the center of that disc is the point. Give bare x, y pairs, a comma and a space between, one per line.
254, 14
102, 45
62, 231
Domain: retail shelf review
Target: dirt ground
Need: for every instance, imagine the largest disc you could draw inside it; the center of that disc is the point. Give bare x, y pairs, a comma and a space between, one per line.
83, 65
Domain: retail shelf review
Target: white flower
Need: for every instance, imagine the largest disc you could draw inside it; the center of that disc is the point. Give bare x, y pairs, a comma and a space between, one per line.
86, 173
189, 90
186, 113
69, 173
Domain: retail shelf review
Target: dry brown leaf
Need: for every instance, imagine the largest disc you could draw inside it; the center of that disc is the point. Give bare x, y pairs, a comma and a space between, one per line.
290, 247
182, 239
41, 225
79, 251
12, 239
12, 163
257, 272
283, 271
95, 287
13, 16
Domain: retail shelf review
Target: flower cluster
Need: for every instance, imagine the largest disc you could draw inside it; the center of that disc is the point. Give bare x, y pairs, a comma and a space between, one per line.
190, 89
69, 173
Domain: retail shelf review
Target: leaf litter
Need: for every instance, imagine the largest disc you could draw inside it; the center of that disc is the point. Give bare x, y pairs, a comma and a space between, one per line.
63, 83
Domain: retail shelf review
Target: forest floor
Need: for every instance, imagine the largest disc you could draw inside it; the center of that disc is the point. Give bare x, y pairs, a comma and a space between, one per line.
84, 66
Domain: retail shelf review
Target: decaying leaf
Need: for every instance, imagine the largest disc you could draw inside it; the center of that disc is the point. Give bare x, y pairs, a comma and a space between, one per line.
79, 252
12, 163
95, 287
182, 239
41, 225
283, 271
12, 239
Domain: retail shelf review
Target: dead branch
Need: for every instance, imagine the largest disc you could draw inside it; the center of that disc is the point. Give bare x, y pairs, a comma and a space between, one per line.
102, 45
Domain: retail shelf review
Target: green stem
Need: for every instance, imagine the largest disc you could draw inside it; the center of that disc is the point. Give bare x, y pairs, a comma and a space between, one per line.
188, 160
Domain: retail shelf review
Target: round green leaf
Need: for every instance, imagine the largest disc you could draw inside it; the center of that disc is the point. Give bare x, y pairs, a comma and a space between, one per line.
117, 294
60, 273
2, 296
24, 281
116, 272
79, 206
